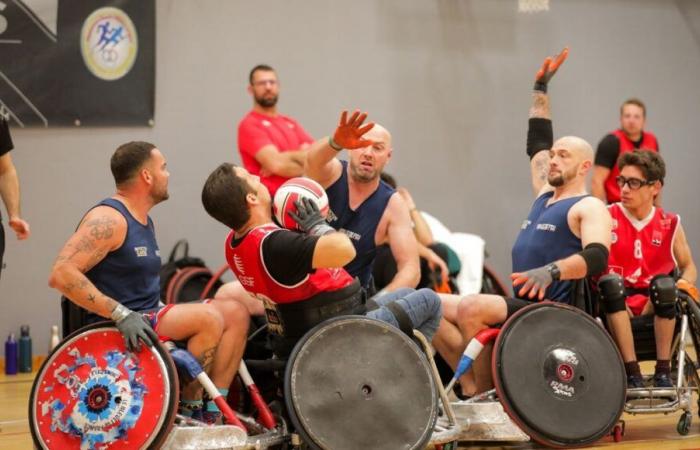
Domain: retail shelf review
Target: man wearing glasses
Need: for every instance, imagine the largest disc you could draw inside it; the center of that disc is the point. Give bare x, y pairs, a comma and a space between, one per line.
648, 243
271, 145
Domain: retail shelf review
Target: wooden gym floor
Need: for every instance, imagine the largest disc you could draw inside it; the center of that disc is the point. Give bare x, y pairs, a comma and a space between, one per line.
651, 432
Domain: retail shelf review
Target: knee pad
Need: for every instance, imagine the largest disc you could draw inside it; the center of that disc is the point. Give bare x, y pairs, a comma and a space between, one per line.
612, 293
663, 294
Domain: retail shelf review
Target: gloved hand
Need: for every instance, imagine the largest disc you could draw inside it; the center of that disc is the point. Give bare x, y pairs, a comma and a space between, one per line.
689, 288
134, 327
548, 69
309, 218
535, 282
349, 132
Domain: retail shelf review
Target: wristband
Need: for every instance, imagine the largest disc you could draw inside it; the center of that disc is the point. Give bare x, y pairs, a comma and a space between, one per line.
334, 145
540, 86
554, 271
119, 313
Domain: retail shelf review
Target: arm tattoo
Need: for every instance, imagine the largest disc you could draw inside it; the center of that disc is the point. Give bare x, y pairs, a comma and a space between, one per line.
101, 228
207, 359
540, 106
541, 165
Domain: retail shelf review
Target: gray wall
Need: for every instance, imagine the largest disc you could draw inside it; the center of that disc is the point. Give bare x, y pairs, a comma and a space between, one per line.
450, 78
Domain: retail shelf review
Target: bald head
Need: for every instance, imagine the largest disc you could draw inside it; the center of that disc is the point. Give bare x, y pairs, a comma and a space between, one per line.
379, 134
577, 146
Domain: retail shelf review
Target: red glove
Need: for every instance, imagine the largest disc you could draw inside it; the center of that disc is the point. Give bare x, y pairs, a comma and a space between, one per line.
548, 69
349, 132
687, 287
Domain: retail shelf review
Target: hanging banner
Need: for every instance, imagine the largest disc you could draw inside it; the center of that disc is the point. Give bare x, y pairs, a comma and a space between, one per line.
77, 62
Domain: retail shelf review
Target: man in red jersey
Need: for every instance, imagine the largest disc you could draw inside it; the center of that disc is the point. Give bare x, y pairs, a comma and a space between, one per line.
271, 145
628, 137
299, 276
648, 243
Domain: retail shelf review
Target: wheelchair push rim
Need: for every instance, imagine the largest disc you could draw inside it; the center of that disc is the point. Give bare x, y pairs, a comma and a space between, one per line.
559, 375
91, 392
354, 382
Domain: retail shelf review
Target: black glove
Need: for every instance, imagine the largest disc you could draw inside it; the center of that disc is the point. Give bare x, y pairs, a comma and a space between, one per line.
548, 69
309, 218
134, 327
535, 281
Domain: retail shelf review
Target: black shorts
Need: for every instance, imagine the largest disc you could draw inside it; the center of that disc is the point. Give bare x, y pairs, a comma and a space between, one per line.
514, 304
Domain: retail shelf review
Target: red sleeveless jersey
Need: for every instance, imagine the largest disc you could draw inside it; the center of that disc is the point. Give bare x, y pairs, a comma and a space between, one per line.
641, 249
246, 262
612, 190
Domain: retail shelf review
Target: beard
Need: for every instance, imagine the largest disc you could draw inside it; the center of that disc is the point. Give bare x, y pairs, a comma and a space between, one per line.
160, 195
267, 102
363, 176
561, 178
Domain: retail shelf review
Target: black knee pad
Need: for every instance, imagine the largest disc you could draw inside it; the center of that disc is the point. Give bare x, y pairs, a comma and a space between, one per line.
663, 294
612, 293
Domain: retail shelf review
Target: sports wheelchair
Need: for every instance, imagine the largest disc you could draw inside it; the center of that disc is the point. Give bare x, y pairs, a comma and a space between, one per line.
684, 368
350, 382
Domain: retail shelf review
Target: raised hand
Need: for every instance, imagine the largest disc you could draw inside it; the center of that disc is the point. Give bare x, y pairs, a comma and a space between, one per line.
350, 131
548, 69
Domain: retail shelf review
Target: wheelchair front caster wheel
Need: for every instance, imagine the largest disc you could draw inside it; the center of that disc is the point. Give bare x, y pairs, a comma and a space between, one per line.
684, 422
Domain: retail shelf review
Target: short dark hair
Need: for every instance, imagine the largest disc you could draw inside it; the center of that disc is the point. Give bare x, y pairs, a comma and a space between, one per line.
388, 179
636, 102
649, 162
128, 159
224, 196
262, 67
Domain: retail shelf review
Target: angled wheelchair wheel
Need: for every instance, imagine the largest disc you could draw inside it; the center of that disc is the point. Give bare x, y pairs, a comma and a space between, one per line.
91, 393
355, 383
491, 282
559, 375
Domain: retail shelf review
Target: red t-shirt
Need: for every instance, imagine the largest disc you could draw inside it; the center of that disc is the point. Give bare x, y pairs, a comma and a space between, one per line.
648, 142
257, 130
641, 249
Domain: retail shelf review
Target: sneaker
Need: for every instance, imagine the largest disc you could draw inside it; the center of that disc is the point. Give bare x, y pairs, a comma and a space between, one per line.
662, 380
635, 382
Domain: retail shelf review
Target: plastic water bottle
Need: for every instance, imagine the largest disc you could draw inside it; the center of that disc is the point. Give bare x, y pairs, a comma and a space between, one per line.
11, 355
25, 350
53, 342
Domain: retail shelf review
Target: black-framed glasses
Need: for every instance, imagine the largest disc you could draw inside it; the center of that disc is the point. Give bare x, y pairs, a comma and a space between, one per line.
633, 183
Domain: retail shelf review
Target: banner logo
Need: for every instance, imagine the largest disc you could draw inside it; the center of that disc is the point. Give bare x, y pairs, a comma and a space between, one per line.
108, 43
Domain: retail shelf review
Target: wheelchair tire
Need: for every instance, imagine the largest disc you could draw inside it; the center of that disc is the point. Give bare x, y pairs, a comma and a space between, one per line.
491, 282
90, 390
559, 375
353, 382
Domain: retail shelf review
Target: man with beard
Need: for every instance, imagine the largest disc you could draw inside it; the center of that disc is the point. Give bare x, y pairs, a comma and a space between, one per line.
110, 267
565, 237
271, 145
364, 207
627, 138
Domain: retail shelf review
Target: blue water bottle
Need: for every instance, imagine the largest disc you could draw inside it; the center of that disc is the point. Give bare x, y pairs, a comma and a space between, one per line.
25, 350
11, 355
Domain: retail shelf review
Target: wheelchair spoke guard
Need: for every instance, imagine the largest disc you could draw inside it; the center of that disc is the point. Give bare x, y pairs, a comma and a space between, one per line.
354, 382
559, 375
90, 393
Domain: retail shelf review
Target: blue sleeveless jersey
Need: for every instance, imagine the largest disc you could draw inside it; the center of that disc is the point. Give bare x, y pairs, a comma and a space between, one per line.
360, 225
130, 274
545, 237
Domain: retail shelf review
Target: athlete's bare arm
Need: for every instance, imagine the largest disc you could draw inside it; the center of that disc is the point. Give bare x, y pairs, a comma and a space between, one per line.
402, 243
683, 256
539, 164
333, 250
600, 174
102, 230
321, 162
